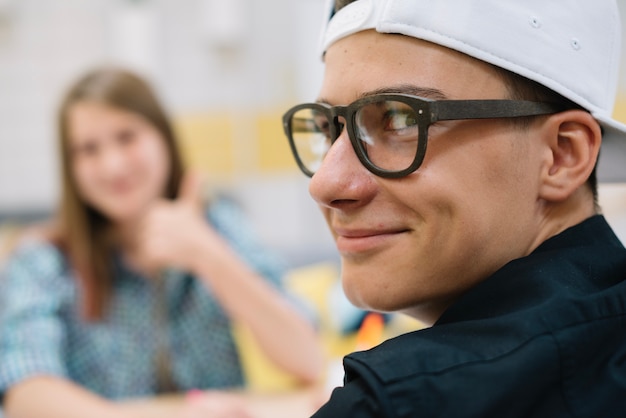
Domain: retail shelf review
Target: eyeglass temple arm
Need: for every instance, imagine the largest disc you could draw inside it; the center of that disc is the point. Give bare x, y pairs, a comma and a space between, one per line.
489, 109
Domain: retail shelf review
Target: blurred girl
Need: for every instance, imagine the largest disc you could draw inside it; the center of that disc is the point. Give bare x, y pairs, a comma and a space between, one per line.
132, 290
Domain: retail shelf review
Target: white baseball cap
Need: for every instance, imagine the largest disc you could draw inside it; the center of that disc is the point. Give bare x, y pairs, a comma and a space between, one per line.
570, 46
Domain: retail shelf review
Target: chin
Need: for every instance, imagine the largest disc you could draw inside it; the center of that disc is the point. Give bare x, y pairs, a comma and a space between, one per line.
378, 289
122, 215
365, 292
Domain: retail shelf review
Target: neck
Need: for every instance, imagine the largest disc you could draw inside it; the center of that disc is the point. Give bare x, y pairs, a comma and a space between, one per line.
559, 216
125, 235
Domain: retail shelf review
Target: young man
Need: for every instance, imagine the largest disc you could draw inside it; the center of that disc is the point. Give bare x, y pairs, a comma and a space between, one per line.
453, 150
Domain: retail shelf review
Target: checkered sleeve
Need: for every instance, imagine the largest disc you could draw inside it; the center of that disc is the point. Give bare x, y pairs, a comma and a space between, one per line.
33, 292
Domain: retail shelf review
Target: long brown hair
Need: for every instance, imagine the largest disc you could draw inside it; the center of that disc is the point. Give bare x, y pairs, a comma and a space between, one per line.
81, 231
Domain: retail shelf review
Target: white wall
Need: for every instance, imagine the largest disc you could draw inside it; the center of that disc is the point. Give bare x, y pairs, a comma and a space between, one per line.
239, 55
45, 43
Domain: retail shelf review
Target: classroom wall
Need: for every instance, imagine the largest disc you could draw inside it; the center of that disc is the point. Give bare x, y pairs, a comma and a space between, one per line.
226, 71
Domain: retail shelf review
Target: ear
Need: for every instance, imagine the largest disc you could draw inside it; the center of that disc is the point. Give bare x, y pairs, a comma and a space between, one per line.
573, 138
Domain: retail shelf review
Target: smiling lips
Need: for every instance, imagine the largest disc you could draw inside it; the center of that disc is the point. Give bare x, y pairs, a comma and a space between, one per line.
354, 241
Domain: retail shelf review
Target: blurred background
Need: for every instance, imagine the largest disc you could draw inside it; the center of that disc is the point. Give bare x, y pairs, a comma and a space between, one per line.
226, 70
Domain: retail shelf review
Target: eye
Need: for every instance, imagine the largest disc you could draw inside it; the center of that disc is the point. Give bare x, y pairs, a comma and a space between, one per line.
85, 149
322, 125
126, 136
399, 119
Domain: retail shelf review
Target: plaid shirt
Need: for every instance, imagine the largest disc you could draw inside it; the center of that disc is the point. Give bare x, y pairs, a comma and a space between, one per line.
42, 332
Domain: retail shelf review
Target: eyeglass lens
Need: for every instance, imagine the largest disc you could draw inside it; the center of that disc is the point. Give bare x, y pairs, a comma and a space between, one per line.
311, 134
386, 132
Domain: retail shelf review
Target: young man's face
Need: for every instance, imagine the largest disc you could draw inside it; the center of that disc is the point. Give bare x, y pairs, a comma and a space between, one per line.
416, 243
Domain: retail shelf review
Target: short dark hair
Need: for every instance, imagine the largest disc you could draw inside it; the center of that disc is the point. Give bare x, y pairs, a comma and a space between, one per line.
339, 4
522, 88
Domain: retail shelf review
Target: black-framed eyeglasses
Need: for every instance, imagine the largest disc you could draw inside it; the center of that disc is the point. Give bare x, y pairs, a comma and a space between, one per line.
388, 132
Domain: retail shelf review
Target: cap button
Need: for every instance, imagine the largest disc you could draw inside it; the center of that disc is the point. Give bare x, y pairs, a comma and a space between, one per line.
535, 22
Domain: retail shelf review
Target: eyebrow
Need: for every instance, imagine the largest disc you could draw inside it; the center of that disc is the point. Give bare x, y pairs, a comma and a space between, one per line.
425, 92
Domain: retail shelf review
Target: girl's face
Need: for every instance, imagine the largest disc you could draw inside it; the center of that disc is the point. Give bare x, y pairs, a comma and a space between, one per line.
119, 160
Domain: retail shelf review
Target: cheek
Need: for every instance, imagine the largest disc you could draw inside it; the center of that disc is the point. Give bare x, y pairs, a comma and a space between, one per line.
481, 163
85, 178
471, 198
153, 156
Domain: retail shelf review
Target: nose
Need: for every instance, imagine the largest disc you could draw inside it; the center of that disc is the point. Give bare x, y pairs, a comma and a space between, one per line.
112, 160
342, 181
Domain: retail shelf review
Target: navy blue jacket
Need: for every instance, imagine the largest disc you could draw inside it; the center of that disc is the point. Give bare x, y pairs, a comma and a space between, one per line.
545, 336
